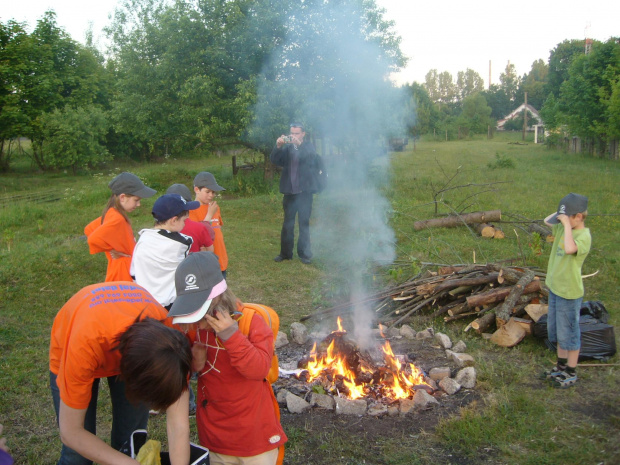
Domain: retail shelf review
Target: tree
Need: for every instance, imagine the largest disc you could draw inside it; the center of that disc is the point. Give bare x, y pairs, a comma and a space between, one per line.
498, 101
468, 83
560, 60
535, 84
476, 114
426, 114
509, 83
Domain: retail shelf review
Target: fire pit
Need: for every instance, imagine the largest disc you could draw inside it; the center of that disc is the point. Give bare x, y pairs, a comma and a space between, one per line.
337, 375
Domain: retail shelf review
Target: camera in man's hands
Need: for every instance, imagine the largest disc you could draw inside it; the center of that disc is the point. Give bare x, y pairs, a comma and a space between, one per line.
288, 139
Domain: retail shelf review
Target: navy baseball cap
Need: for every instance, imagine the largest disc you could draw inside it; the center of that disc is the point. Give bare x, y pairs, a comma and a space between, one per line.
570, 205
171, 205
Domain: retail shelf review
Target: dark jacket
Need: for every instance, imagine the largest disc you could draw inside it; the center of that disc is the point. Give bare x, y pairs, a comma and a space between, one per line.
309, 165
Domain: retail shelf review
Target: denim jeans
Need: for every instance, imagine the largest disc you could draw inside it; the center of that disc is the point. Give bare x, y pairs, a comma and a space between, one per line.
126, 418
563, 322
300, 206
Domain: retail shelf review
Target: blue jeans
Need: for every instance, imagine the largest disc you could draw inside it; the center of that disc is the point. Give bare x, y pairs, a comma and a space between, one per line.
300, 206
563, 322
126, 418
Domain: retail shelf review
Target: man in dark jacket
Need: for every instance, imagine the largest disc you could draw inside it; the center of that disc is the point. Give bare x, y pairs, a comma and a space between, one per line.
299, 162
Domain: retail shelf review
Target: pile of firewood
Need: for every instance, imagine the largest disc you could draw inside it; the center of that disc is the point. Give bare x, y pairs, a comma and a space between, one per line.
488, 295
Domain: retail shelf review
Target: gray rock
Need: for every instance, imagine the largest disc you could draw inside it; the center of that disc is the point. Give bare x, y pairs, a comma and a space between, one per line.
281, 396
462, 360
443, 340
407, 332
459, 347
322, 401
296, 404
449, 386
350, 407
406, 406
392, 410
466, 377
376, 410
394, 333
439, 373
281, 340
426, 334
299, 333
423, 400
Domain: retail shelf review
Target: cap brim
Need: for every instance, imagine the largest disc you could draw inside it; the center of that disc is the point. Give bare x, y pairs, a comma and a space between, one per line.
553, 219
193, 317
193, 205
145, 192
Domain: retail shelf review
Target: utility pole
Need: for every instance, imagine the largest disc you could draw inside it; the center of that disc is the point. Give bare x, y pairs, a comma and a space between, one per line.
524, 118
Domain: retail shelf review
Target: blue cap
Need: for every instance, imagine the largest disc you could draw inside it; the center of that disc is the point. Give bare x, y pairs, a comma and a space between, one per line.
171, 205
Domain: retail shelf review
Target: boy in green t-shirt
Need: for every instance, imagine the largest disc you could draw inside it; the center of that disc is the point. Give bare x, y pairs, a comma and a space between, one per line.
570, 248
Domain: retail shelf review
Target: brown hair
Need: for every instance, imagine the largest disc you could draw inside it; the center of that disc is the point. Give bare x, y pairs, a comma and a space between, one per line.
183, 214
115, 202
155, 363
226, 301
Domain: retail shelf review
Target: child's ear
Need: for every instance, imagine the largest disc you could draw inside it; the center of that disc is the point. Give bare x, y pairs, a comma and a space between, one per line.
196, 189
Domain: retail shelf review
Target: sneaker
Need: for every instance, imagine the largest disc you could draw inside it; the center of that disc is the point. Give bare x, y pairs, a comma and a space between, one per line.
564, 380
305, 261
550, 374
280, 258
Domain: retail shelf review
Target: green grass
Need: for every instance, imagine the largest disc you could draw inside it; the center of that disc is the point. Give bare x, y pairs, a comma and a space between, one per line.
518, 420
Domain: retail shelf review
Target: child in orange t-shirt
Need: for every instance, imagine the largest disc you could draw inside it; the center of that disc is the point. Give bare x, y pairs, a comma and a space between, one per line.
111, 232
206, 188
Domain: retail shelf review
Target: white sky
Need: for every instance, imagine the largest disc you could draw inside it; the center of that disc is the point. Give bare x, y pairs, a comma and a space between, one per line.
447, 35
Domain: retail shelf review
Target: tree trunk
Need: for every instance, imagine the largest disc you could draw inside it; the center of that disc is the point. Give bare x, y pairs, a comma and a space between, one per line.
503, 314
484, 322
497, 295
544, 232
456, 220
454, 283
485, 230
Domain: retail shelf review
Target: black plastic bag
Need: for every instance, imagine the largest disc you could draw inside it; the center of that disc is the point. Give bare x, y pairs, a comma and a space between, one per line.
597, 339
596, 309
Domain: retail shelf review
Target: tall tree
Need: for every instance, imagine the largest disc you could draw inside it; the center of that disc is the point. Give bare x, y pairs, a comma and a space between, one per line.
560, 60
509, 83
476, 114
535, 84
468, 82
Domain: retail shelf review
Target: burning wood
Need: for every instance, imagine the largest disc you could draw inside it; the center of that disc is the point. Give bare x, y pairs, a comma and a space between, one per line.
341, 369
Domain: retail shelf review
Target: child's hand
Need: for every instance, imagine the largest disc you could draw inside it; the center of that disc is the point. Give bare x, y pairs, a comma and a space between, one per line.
564, 219
115, 254
199, 356
212, 209
220, 322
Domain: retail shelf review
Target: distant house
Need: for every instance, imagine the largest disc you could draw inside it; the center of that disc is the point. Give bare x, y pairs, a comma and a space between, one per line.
518, 112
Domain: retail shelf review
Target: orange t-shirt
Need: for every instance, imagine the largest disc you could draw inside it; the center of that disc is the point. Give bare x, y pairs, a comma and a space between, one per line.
219, 248
114, 234
84, 335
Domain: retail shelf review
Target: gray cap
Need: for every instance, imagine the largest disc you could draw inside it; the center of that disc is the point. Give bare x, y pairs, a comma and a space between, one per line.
197, 279
206, 179
180, 189
570, 205
130, 184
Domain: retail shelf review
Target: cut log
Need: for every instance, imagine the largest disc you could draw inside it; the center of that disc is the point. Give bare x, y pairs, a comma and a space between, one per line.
457, 220
455, 283
525, 323
499, 234
542, 231
462, 308
504, 311
445, 308
535, 311
485, 230
497, 295
508, 335
484, 322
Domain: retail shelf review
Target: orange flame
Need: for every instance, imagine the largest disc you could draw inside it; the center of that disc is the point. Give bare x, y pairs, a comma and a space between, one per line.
397, 382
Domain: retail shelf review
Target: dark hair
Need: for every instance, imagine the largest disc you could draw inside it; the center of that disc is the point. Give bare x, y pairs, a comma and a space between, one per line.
183, 214
297, 125
155, 363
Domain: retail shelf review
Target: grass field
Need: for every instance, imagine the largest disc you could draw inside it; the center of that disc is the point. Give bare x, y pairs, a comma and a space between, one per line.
44, 260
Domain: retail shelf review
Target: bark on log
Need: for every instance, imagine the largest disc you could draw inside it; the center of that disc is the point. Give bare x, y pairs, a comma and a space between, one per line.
462, 308
485, 230
504, 311
457, 220
541, 230
497, 295
454, 283
445, 308
484, 322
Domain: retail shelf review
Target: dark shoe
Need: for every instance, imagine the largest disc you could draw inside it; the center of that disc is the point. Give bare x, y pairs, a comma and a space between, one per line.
564, 380
549, 375
305, 261
280, 258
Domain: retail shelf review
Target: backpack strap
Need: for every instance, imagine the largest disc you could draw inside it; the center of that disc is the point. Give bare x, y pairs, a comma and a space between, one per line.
246, 320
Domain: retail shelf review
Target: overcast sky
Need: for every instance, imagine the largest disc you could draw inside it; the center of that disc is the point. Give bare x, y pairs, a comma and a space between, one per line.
447, 35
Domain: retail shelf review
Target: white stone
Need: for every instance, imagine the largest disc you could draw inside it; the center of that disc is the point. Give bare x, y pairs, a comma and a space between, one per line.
299, 333
459, 347
423, 399
443, 340
296, 404
407, 332
463, 360
466, 377
322, 401
281, 340
449, 386
376, 410
281, 396
350, 407
439, 373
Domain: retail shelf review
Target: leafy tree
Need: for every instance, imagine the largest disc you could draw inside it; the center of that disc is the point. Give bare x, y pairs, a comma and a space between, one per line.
560, 60
498, 100
476, 114
431, 84
516, 123
427, 115
74, 138
534, 83
509, 83
467, 83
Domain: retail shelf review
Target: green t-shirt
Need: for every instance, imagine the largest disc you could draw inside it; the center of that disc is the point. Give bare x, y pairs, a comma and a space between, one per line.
564, 271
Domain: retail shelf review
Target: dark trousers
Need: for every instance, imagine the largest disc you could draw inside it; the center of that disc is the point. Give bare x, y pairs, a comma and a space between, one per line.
126, 418
299, 205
